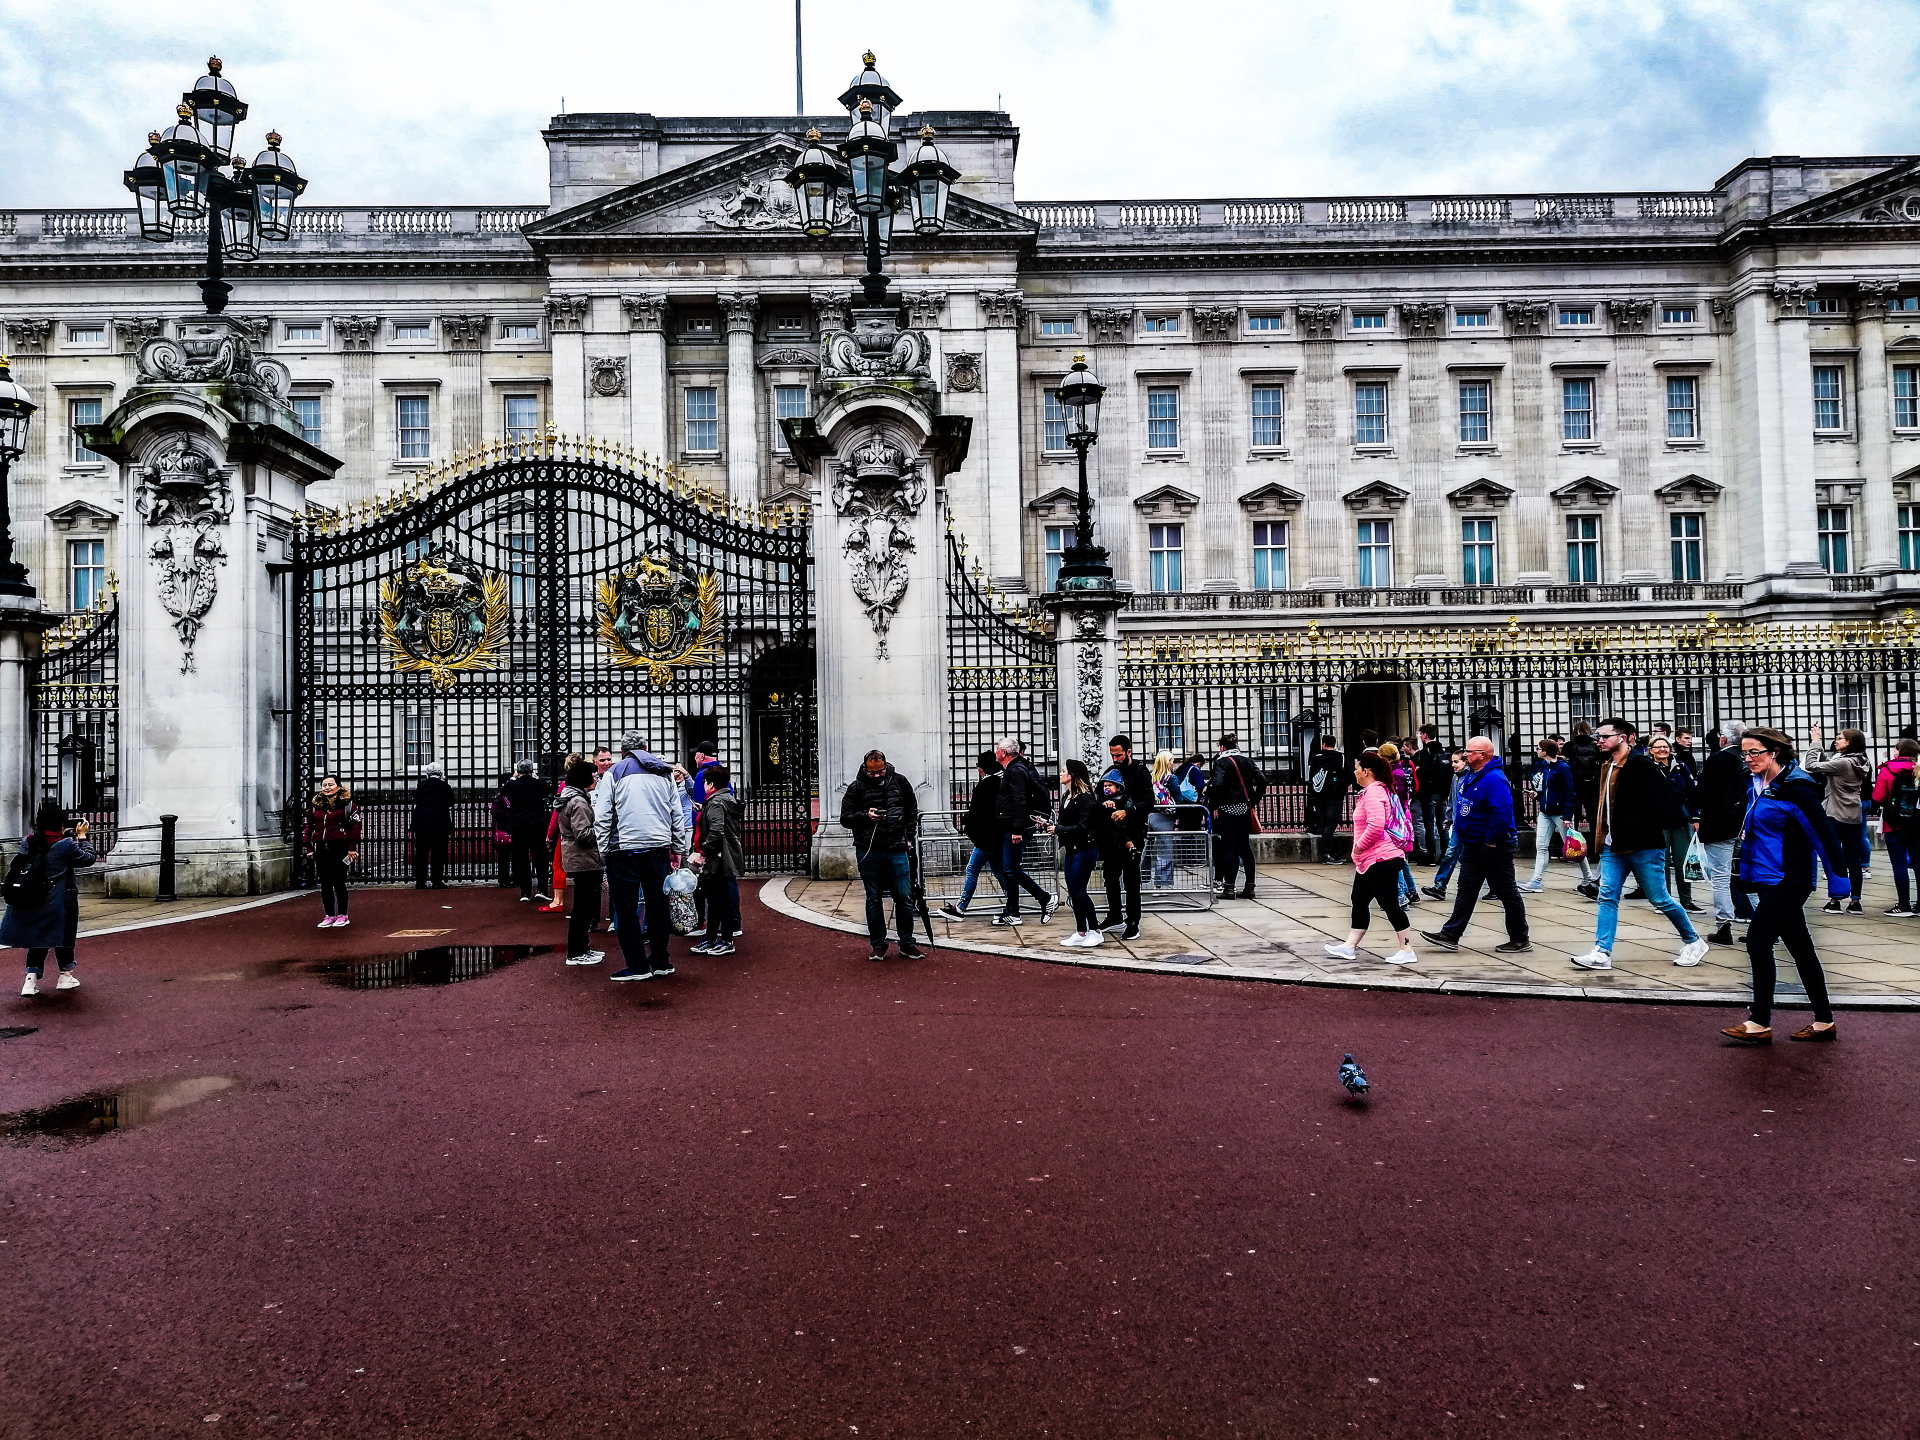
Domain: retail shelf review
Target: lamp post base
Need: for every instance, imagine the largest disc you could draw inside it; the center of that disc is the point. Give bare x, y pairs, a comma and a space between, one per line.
1085, 567
13, 577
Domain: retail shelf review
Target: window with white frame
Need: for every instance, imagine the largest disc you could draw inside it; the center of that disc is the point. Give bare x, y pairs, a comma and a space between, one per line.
1170, 722
1058, 538
86, 572
703, 419
698, 327
87, 333
1270, 554
1053, 423
1904, 302
1369, 320
1476, 552
1273, 720
1826, 305
1476, 403
84, 412
789, 322
1583, 703
1265, 322
1853, 705
522, 417
414, 417
1163, 418
1909, 519
1686, 540
416, 734
1836, 538
1689, 707
1683, 407
302, 332
1583, 549
1160, 324
1471, 319
520, 567
1829, 397
1677, 314
1163, 558
1576, 409
519, 330
789, 403
320, 760
306, 409
1375, 542
1370, 412
522, 720
1056, 327
1906, 397
1269, 417
1576, 315
412, 330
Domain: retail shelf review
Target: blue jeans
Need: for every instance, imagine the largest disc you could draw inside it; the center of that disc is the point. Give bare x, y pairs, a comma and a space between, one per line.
1014, 879
634, 877
1445, 872
1649, 867
1854, 850
1543, 827
979, 860
1079, 870
1900, 857
888, 873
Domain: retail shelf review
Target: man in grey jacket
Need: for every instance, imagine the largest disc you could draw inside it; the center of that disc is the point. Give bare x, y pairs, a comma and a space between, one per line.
640, 826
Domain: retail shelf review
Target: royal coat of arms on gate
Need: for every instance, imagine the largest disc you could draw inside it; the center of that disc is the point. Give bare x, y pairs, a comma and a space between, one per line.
659, 613
444, 614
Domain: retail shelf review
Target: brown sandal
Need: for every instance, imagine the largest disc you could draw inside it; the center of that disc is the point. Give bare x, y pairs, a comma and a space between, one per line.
1831, 1033
1740, 1035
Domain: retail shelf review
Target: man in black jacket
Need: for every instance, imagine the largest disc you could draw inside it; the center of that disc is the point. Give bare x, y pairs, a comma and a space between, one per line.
529, 804
431, 827
880, 810
1233, 789
982, 827
1123, 871
1022, 797
1326, 799
1724, 792
1433, 791
1582, 755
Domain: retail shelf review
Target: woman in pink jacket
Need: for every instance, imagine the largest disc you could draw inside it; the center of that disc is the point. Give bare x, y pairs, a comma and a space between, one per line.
1382, 836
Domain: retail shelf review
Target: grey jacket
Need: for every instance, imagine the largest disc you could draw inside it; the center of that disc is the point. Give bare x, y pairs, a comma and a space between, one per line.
1846, 775
579, 844
636, 806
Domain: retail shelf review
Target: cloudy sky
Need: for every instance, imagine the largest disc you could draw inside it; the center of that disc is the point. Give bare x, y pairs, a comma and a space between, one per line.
432, 102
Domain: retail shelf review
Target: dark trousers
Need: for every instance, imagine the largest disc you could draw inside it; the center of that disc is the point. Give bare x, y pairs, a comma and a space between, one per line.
887, 873
1431, 828
1491, 865
1900, 858
37, 959
1380, 883
1122, 873
530, 860
1781, 914
1232, 848
330, 859
636, 878
503, 862
586, 911
1015, 878
1079, 870
1853, 849
430, 859
720, 896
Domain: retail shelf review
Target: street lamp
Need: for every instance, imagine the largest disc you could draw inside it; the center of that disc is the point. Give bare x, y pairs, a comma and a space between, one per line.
180, 178
16, 413
1083, 566
858, 170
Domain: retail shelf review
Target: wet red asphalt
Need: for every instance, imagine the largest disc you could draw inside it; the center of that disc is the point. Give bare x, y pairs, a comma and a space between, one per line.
791, 1193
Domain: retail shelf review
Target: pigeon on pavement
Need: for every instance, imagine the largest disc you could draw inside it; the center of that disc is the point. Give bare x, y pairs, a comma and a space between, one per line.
1353, 1077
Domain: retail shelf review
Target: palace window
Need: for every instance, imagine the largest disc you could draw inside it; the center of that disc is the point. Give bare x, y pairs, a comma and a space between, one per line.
699, 327
1273, 721
1270, 555
1269, 417
1160, 324
306, 409
86, 572
1475, 402
523, 417
1904, 302
790, 323
415, 416
1053, 423
1370, 412
1583, 549
1058, 538
1853, 705
1683, 407
703, 420
1170, 723
412, 330
1826, 305
1471, 319
1836, 536
1685, 540
1677, 314
1829, 397
1576, 409
86, 334
1056, 327
1163, 558
1264, 322
302, 332
520, 567
514, 330
83, 412
1910, 537
416, 734
1476, 552
1576, 314
1376, 553
521, 721
789, 403
320, 761
1369, 320
1163, 419
1689, 708
1906, 397
1583, 704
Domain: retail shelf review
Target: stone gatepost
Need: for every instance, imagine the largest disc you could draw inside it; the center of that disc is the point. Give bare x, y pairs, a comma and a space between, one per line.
878, 450
1087, 664
22, 623
213, 470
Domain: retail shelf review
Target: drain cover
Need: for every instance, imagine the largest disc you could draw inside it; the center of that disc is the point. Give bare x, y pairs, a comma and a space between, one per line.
1184, 959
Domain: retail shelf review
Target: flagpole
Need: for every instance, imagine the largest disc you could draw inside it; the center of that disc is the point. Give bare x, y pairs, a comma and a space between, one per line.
799, 85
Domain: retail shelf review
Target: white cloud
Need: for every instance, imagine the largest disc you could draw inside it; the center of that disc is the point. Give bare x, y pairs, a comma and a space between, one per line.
1115, 98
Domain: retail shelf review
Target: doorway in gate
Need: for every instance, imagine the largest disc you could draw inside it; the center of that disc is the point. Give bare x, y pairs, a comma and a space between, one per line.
1384, 707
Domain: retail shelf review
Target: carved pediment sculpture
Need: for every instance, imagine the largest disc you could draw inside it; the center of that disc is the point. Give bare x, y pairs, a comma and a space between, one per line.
876, 348
184, 498
211, 350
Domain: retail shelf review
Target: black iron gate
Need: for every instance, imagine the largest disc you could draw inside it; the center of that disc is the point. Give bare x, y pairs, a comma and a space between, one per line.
1000, 676
76, 720
526, 603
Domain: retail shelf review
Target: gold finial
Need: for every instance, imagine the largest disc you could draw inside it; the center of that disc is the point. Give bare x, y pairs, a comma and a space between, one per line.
273, 139
813, 132
1079, 357
184, 111
867, 58
866, 109
213, 64
926, 132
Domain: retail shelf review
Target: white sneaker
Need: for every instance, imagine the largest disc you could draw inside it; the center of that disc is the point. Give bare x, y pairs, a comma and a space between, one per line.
1594, 960
1078, 938
1094, 937
67, 981
1531, 887
32, 987
1047, 907
1403, 957
1342, 952
1691, 953
1008, 920
592, 957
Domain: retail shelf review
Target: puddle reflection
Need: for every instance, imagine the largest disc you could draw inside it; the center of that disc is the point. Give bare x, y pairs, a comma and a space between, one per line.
93, 1115
443, 965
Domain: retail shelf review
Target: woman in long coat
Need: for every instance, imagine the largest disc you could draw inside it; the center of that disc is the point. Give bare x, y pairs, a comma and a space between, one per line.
53, 921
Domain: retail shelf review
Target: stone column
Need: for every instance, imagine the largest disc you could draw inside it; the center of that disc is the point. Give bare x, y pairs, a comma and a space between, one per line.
1879, 531
28, 486
1112, 460
466, 334
1772, 342
1534, 514
1641, 550
1088, 668
1326, 518
1219, 448
356, 334
1434, 528
566, 325
22, 621
743, 407
647, 372
1002, 310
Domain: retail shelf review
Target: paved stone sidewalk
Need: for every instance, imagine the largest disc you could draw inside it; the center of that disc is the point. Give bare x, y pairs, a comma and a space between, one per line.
1870, 959
100, 915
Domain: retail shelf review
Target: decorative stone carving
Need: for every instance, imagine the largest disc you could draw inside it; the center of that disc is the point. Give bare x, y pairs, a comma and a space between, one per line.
645, 312
1586, 493
1215, 322
775, 359
464, 332
136, 332
1318, 322
1375, 496
254, 329
1689, 490
1090, 625
875, 348
1481, 494
742, 311
184, 497
1630, 316
567, 312
755, 204
963, 371
1271, 501
877, 491
1110, 326
1423, 319
1002, 307
609, 375
830, 308
1525, 317
29, 337
1167, 500
924, 307
210, 350
1792, 295
356, 332
1896, 209
1874, 293
1090, 684
1724, 310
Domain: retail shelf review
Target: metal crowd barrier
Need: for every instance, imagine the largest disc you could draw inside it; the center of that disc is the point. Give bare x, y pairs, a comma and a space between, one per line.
1176, 867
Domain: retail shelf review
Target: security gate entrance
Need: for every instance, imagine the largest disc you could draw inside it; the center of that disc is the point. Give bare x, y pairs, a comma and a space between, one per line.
529, 601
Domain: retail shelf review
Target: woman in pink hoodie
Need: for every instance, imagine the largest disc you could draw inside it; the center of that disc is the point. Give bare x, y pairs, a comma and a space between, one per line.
1900, 818
1382, 836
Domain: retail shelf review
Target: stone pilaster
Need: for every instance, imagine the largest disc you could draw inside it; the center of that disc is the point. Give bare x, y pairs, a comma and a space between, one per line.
1327, 529
1002, 311
356, 334
1878, 530
1434, 527
1112, 460
743, 432
1641, 550
567, 317
647, 372
22, 623
466, 411
1534, 513
1220, 446
1087, 663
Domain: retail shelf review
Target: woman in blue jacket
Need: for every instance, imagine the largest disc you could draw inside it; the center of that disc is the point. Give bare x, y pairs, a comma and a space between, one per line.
1785, 829
1553, 782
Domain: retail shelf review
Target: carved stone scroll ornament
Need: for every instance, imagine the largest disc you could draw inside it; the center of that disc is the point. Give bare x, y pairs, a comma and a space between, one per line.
963, 371
137, 331
1630, 316
645, 312
1090, 681
877, 493
184, 497
1725, 310
1793, 296
1110, 326
211, 351
29, 337
875, 348
567, 312
1525, 317
830, 308
1423, 319
464, 332
609, 375
1002, 307
1896, 210
1215, 322
1318, 322
924, 307
356, 332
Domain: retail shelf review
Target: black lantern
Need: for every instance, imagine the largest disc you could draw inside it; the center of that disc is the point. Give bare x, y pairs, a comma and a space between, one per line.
276, 185
817, 181
147, 182
186, 167
928, 180
216, 109
1083, 565
240, 221
1079, 394
868, 152
868, 88
16, 414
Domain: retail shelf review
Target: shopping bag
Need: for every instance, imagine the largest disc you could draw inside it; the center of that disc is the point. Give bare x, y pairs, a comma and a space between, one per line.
1572, 847
1695, 868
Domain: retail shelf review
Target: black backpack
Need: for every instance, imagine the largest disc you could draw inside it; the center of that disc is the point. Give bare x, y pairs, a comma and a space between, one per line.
28, 881
1902, 808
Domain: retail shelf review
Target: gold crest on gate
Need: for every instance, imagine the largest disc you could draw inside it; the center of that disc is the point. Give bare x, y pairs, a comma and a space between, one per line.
443, 614
659, 614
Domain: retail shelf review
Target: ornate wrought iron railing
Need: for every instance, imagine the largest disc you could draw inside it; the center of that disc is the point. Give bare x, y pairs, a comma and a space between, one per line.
1000, 673
76, 718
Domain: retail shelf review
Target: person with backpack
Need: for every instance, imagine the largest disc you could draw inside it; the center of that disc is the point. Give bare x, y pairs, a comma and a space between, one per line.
1327, 786
1723, 792
1021, 799
1166, 795
43, 898
1130, 811
1483, 825
1582, 754
720, 850
333, 843
1078, 834
1844, 769
982, 827
580, 855
1382, 839
1896, 790
1234, 789
1553, 782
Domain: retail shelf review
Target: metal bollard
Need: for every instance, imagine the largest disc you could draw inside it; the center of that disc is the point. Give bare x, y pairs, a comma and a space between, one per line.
166, 891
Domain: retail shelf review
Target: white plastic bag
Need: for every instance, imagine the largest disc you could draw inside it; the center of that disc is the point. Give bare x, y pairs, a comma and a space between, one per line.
1695, 868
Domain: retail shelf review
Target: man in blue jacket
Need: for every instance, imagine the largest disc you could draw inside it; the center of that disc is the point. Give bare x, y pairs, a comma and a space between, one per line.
1483, 826
1553, 780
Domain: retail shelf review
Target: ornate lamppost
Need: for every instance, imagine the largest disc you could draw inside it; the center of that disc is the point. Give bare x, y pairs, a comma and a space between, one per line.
180, 176
1084, 564
16, 413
